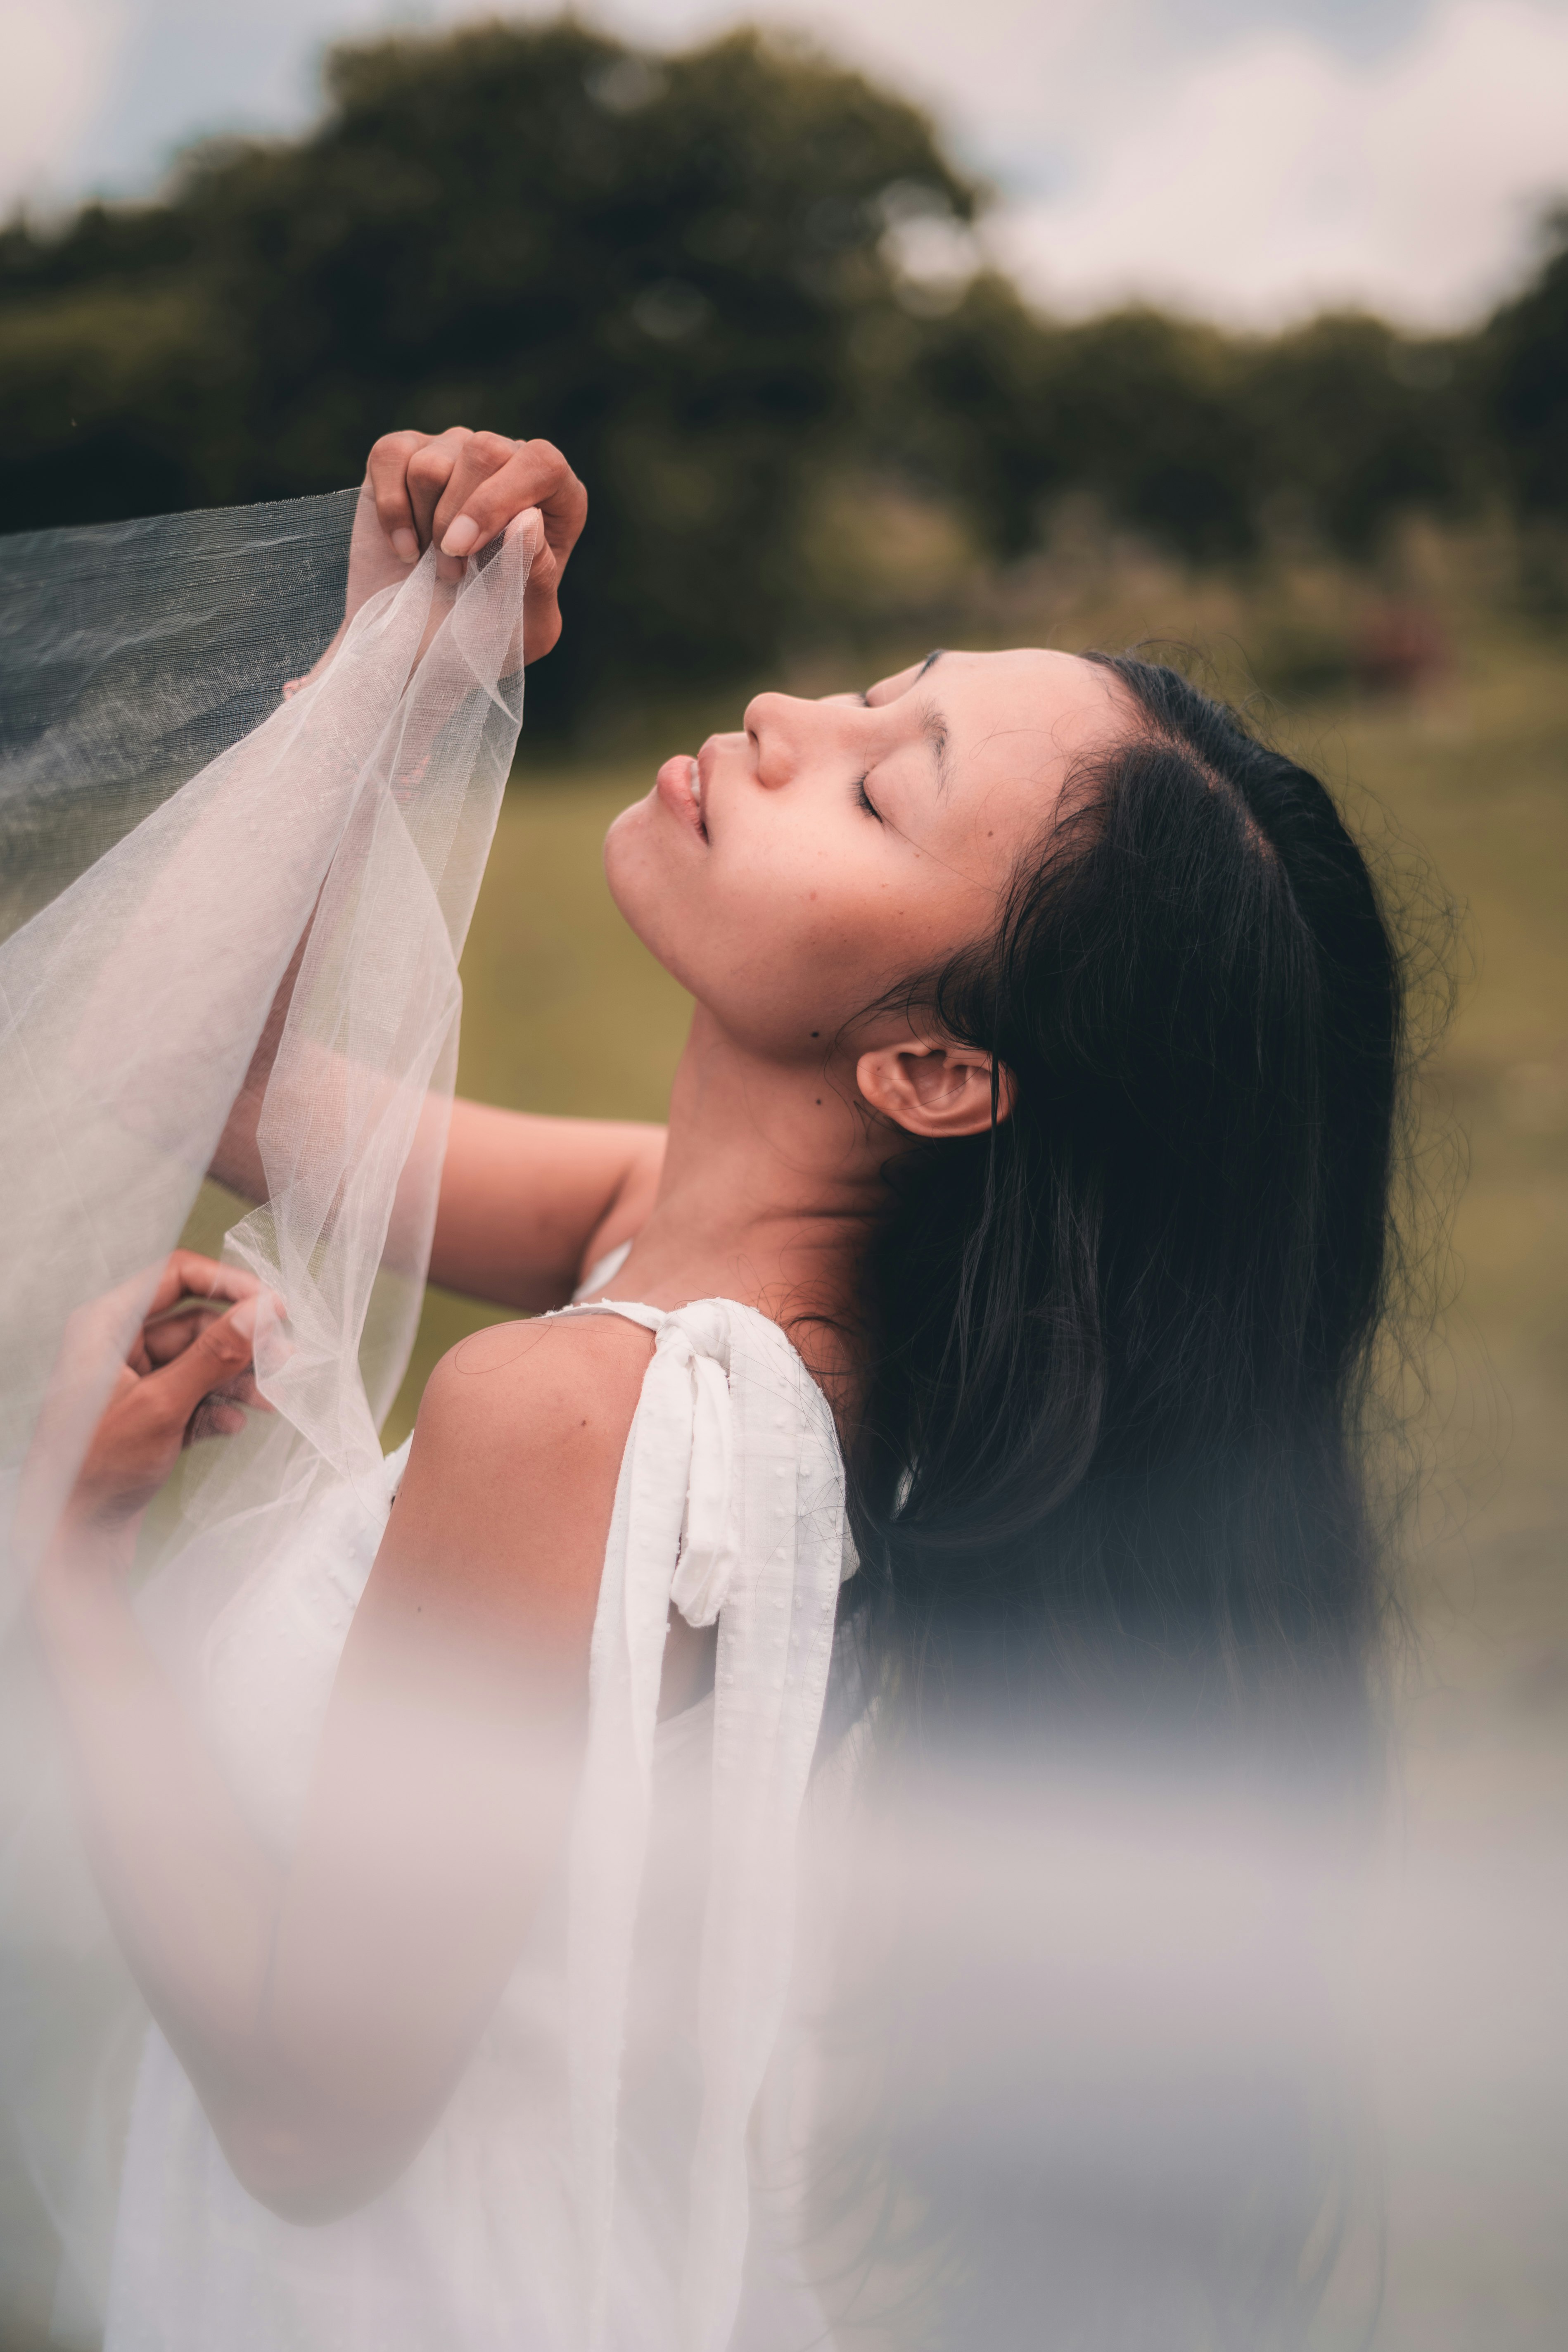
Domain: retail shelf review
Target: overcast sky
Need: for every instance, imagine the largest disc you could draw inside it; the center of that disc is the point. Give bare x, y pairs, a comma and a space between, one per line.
1250, 159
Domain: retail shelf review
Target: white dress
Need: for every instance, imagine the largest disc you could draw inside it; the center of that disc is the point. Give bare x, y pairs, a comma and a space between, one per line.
600, 2177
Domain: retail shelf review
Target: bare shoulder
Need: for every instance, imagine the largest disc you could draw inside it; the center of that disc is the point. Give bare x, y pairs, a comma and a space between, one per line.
512, 1476
534, 1382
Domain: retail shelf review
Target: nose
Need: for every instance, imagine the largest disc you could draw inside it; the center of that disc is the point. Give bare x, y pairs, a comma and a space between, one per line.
779, 728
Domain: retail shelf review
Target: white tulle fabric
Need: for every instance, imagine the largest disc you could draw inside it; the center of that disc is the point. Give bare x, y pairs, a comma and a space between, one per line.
177, 831
221, 736
363, 808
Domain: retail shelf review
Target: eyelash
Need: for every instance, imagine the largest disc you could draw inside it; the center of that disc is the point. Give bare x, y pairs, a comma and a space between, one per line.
863, 801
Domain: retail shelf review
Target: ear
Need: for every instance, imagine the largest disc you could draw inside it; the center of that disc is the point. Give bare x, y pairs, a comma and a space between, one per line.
933, 1089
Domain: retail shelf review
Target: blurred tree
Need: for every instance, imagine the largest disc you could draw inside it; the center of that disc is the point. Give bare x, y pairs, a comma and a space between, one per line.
1153, 403
958, 402
1206, 443
108, 367
689, 272
657, 263
1140, 411
1523, 371
1350, 423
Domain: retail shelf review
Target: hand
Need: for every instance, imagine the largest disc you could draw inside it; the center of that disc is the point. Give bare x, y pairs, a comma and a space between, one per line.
187, 1375
458, 489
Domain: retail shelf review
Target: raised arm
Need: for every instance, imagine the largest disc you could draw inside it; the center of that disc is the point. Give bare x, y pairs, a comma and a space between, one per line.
526, 1204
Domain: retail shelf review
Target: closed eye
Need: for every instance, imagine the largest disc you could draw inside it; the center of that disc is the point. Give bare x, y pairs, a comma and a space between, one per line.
862, 800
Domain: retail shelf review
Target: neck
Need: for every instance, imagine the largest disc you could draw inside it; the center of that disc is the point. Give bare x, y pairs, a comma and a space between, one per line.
770, 1190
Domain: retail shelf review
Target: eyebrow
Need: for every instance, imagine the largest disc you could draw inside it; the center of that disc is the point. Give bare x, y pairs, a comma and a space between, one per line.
863, 696
934, 725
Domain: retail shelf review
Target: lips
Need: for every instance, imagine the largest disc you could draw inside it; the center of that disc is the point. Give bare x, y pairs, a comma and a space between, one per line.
680, 787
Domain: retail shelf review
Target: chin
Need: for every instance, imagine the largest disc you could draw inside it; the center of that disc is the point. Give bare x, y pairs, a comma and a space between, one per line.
648, 896
631, 858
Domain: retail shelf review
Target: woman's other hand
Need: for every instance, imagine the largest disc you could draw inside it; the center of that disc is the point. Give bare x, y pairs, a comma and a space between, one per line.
458, 490
187, 1375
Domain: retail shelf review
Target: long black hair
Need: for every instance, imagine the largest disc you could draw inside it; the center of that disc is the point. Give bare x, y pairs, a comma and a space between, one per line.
1112, 1470
1121, 1344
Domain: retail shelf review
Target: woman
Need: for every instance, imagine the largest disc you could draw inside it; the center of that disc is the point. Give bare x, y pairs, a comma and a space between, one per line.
1039, 1095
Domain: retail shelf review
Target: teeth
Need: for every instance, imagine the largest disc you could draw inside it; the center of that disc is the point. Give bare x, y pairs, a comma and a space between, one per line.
695, 785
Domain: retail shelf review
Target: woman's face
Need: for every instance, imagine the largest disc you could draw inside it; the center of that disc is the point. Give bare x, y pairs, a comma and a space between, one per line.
791, 874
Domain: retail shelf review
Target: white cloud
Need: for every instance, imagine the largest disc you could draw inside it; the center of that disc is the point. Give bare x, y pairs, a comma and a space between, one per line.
1224, 158
58, 64
1276, 177
1251, 160
1012, 77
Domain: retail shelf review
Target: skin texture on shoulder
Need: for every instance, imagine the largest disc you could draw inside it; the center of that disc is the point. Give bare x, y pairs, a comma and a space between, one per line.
499, 1528
501, 1518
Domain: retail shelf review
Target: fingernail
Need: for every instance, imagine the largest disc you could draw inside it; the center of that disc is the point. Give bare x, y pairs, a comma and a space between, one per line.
404, 544
461, 538
242, 1319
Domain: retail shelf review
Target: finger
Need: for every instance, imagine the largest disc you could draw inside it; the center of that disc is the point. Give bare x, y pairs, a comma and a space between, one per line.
485, 455
536, 475
428, 473
541, 612
187, 1274
388, 474
215, 1358
214, 1417
210, 1277
168, 1334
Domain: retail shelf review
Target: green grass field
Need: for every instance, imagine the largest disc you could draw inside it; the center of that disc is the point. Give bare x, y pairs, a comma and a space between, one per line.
1480, 780
564, 1011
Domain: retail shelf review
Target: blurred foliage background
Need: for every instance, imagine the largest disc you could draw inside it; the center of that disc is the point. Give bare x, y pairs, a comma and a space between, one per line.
734, 284
738, 285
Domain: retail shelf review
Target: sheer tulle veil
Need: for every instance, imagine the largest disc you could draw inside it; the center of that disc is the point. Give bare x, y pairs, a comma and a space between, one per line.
229, 740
